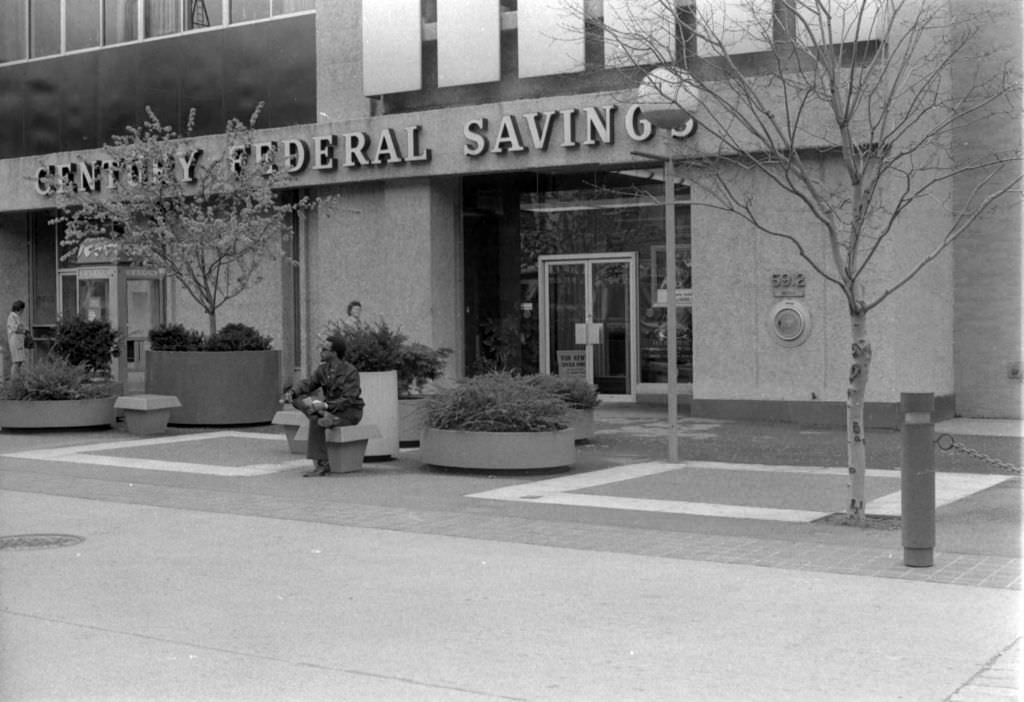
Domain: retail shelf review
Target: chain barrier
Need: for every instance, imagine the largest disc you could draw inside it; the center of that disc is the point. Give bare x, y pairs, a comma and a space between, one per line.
947, 443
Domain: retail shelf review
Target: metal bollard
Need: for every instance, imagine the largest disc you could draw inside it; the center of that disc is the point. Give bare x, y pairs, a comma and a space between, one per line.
917, 479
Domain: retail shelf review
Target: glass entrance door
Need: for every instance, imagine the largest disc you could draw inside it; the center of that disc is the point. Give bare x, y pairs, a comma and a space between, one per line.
587, 320
143, 306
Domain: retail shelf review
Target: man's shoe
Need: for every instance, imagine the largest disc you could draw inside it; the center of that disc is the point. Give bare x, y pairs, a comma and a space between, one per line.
321, 468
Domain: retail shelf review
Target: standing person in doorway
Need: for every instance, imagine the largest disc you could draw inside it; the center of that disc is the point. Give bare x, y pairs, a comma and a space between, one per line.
353, 313
16, 335
342, 404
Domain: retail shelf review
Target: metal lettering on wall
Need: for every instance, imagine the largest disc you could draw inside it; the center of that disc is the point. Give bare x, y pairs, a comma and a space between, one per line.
789, 284
536, 131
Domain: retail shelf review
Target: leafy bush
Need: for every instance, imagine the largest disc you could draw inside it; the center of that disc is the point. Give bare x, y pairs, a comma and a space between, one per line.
230, 337
577, 392
175, 337
419, 363
88, 342
237, 337
54, 379
370, 347
496, 402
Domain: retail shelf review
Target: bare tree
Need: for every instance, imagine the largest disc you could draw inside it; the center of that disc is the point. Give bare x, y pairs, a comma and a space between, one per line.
848, 111
209, 222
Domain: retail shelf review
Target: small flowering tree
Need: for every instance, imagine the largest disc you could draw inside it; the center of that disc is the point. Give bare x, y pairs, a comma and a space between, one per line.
209, 223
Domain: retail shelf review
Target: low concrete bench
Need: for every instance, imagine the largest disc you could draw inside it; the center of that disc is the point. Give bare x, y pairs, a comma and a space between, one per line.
296, 429
146, 415
346, 446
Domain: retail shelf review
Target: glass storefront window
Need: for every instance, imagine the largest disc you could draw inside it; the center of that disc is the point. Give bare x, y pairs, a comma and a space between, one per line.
511, 220
247, 10
45, 27
283, 7
204, 13
94, 298
120, 21
163, 17
83, 22
13, 30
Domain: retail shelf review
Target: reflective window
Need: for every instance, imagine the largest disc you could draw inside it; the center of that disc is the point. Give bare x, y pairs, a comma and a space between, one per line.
246, 10
45, 29
163, 17
82, 18
120, 21
204, 13
13, 30
282, 7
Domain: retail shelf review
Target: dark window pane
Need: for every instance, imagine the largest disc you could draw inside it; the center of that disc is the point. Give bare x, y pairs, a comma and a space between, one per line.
121, 22
245, 10
12, 30
83, 24
44, 19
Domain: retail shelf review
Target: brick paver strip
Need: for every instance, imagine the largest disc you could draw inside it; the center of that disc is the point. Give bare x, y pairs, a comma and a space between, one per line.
957, 569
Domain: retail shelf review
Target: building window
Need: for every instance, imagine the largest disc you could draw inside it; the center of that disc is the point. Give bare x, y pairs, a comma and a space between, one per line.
248, 10
204, 13
163, 17
13, 30
120, 21
284, 7
44, 26
84, 24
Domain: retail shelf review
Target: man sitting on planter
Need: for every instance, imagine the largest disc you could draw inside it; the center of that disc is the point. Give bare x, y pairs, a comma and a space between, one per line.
342, 405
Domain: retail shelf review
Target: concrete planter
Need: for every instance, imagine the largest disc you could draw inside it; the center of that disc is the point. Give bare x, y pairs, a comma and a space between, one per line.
57, 414
485, 450
582, 423
217, 387
412, 417
380, 393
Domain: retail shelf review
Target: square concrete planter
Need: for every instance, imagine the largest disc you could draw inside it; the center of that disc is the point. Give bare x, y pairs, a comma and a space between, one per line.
146, 415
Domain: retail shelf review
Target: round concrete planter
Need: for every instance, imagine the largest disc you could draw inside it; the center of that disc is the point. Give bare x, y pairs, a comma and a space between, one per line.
217, 387
380, 393
57, 414
412, 416
582, 423
486, 450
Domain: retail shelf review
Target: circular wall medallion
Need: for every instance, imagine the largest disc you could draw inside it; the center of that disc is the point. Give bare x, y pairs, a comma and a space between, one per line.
791, 323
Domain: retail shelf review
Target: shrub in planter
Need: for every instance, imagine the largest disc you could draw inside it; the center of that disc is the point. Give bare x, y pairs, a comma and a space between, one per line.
54, 379
55, 394
496, 402
577, 392
175, 337
88, 342
419, 364
370, 347
579, 395
237, 337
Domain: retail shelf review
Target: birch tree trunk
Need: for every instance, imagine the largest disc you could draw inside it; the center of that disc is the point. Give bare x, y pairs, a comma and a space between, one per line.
855, 438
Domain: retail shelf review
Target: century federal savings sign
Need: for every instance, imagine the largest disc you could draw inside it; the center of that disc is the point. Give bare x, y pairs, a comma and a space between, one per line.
531, 131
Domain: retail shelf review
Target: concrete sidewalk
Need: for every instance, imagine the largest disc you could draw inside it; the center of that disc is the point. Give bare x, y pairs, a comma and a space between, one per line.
199, 580
161, 603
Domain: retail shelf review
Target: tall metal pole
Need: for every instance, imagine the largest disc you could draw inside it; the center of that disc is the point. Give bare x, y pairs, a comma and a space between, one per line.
670, 298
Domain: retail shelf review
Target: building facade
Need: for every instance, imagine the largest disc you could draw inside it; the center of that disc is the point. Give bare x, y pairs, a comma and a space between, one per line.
494, 188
